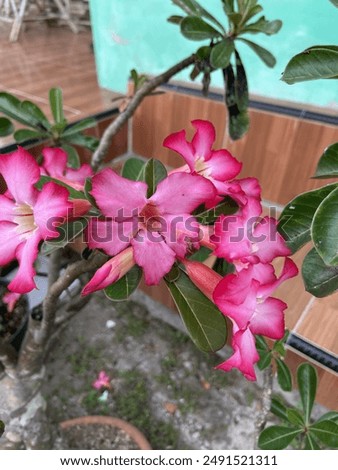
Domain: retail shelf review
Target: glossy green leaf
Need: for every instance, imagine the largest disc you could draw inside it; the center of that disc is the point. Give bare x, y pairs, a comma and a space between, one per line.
67, 233
132, 168
241, 85
324, 229
205, 323
330, 415
263, 26
238, 119
73, 160
261, 343
152, 173
326, 432
335, 3
319, 279
37, 115
307, 385
262, 53
228, 6
2, 428
254, 10
328, 163
265, 359
235, 18
221, 53
222, 267
6, 127
314, 63
124, 287
310, 443
12, 107
277, 437
296, 218
278, 409
88, 141
196, 29
193, 8
175, 19
21, 135
279, 348
226, 207
283, 376
201, 255
80, 126
73, 193
173, 274
294, 417
56, 105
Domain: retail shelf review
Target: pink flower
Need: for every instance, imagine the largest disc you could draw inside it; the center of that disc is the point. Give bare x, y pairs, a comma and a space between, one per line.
217, 165
55, 165
246, 300
103, 381
159, 229
11, 298
27, 215
111, 271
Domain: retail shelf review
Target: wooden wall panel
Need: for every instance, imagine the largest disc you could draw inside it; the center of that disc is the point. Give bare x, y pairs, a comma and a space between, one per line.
281, 151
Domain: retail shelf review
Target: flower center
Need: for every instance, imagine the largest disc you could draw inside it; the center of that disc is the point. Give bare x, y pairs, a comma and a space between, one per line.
150, 218
201, 167
24, 219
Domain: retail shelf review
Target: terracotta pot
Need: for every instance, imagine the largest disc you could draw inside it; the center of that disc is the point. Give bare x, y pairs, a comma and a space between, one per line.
128, 428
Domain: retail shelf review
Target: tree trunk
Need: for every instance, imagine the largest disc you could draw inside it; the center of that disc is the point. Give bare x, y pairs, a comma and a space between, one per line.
23, 410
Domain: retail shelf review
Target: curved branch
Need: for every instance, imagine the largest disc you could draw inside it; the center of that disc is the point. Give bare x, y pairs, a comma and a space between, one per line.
266, 403
141, 93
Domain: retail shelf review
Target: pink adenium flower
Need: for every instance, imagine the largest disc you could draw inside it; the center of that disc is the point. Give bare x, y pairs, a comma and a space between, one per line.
10, 299
55, 165
159, 228
27, 215
219, 166
103, 381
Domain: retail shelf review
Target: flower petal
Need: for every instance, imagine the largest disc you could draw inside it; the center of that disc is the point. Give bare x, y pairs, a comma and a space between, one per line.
180, 231
231, 237
27, 252
223, 165
54, 161
7, 209
109, 236
268, 319
153, 254
10, 240
181, 193
79, 175
203, 139
20, 171
51, 209
289, 270
118, 196
178, 142
269, 243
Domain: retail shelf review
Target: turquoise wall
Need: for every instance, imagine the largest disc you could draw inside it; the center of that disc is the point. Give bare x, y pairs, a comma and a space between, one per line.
135, 34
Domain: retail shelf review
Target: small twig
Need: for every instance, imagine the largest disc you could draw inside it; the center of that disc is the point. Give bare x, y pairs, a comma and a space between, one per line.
54, 263
141, 93
266, 403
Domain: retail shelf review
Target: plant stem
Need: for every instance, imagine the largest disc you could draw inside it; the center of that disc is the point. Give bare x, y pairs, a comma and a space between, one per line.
266, 404
136, 100
8, 356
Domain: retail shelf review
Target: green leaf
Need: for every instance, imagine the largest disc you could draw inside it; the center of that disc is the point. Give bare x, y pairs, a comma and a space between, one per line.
241, 85
328, 163
279, 348
319, 279
222, 267
226, 207
330, 415
283, 375
294, 417
278, 409
253, 11
87, 141
153, 172
265, 359
124, 287
132, 168
263, 26
221, 53
205, 323
12, 107
196, 29
326, 432
324, 229
73, 193
37, 115
261, 343
2, 428
262, 53
175, 19
193, 8
73, 160
27, 134
296, 218
314, 63
56, 105
277, 437
310, 443
67, 233
173, 274
235, 18
201, 255
228, 6
335, 3
307, 384
238, 119
80, 126
6, 127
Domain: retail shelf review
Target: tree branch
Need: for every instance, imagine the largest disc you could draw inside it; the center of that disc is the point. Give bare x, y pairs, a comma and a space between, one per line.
141, 93
266, 403
8, 356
